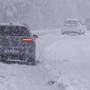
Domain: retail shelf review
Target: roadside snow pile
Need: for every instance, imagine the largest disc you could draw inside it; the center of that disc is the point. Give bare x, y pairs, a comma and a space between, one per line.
67, 48
68, 60
46, 32
45, 40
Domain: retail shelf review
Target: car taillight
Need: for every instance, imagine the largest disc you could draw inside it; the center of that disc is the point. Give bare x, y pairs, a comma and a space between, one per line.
27, 39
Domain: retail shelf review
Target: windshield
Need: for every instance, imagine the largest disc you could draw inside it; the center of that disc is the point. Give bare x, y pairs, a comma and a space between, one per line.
13, 31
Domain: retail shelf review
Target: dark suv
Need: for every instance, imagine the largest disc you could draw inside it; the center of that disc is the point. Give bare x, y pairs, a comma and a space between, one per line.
17, 44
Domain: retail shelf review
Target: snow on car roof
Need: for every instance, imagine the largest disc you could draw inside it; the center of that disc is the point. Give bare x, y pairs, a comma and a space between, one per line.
13, 24
72, 19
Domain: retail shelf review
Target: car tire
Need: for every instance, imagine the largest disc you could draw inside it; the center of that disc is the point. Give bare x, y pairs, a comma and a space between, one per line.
31, 61
0, 58
4, 58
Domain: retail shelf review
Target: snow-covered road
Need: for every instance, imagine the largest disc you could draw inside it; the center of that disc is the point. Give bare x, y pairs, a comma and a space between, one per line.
68, 59
64, 60
21, 77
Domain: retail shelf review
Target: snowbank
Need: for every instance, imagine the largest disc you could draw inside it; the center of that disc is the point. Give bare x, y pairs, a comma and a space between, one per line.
68, 60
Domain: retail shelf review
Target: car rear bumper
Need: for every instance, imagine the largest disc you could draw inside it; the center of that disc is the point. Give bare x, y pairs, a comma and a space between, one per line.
16, 54
12, 57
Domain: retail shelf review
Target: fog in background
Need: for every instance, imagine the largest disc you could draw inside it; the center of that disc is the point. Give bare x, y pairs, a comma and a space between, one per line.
43, 14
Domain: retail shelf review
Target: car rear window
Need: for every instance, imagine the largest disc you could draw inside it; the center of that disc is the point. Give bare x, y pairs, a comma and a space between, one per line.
14, 31
71, 23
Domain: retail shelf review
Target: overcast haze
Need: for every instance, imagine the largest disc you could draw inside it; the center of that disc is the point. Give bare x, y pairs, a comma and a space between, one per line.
46, 58
43, 14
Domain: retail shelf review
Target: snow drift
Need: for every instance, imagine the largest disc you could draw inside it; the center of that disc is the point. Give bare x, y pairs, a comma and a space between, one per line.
68, 60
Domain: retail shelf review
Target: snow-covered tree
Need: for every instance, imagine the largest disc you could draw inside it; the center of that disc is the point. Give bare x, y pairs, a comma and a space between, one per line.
10, 9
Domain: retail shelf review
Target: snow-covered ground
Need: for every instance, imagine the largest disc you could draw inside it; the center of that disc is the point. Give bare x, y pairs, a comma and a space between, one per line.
21, 77
68, 60
63, 59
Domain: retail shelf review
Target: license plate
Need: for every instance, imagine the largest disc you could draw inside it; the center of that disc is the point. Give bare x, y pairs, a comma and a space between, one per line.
10, 51
13, 60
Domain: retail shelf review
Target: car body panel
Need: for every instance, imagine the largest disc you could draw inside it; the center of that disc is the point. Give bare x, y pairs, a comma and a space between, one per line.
72, 26
11, 45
